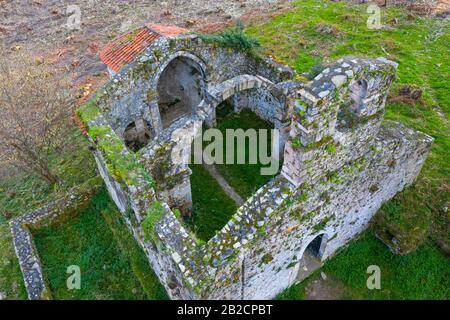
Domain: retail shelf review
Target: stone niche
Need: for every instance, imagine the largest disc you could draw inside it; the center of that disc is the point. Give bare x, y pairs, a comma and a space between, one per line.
341, 162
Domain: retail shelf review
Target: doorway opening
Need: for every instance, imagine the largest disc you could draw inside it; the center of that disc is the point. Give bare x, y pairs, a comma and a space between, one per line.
180, 89
311, 259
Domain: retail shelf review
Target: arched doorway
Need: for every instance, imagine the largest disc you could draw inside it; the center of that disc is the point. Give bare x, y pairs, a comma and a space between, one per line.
181, 88
312, 257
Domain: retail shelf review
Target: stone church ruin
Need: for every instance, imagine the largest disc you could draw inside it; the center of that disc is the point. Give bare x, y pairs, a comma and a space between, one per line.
341, 160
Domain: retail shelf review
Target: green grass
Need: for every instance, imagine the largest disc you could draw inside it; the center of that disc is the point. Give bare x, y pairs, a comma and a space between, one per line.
244, 178
212, 208
88, 242
419, 44
422, 274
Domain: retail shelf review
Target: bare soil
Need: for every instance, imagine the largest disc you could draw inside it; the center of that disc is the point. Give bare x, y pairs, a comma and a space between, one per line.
42, 26
325, 289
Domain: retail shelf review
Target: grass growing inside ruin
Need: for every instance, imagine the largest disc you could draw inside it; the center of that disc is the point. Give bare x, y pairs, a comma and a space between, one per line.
212, 208
105, 264
419, 44
244, 178
422, 274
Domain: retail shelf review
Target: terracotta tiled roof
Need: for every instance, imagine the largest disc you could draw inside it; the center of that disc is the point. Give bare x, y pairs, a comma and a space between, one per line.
167, 31
125, 48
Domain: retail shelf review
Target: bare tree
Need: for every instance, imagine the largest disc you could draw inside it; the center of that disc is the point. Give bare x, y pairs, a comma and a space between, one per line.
34, 114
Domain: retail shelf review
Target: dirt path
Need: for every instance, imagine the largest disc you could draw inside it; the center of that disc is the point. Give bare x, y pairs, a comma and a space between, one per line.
325, 288
222, 182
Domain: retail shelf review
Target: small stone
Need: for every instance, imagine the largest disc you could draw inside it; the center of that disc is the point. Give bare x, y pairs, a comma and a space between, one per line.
339, 80
318, 77
323, 275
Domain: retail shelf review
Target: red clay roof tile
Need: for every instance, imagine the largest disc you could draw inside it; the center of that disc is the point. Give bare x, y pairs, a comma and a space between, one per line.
125, 48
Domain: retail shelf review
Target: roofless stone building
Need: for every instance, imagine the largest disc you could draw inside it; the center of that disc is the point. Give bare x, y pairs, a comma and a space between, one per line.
341, 160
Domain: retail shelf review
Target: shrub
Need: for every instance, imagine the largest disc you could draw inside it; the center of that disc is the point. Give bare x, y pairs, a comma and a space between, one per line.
232, 38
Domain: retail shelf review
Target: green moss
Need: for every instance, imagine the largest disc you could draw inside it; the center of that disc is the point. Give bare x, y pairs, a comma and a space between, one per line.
177, 213
302, 197
121, 164
403, 225
296, 143
333, 177
244, 178
154, 215
212, 208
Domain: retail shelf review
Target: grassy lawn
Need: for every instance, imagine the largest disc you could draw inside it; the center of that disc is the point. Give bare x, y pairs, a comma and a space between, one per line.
422, 274
88, 242
420, 45
244, 178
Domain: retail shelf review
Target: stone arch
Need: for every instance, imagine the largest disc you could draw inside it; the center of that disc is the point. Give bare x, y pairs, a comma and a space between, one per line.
180, 84
311, 256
